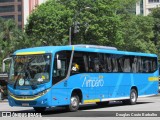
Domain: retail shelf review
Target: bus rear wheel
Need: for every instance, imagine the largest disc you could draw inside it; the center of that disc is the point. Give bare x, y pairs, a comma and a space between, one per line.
39, 109
74, 103
133, 98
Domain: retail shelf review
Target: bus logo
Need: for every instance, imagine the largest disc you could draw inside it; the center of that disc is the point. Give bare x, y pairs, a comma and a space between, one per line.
93, 82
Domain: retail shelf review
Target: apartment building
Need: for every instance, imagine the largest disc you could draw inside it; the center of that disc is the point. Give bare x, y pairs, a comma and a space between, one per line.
12, 9
144, 7
149, 5
29, 5
19, 10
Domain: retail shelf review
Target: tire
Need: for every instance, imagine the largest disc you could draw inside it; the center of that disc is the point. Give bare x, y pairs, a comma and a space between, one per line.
39, 109
133, 98
74, 103
102, 103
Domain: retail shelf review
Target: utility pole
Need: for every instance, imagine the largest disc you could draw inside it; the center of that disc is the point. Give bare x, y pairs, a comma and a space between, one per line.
70, 35
76, 25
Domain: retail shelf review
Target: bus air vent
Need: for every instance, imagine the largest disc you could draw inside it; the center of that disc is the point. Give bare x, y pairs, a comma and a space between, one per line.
96, 46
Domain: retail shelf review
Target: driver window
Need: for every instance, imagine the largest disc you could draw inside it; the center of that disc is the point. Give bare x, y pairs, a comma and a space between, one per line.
60, 74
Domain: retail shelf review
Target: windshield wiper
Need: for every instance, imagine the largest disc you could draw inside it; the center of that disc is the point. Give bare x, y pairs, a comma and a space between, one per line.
33, 86
16, 82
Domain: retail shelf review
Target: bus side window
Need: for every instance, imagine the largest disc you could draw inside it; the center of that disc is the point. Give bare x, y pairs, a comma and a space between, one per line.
109, 64
105, 63
121, 64
96, 65
134, 65
145, 65
102, 65
115, 64
154, 65
92, 62
85, 62
139, 65
80, 59
127, 67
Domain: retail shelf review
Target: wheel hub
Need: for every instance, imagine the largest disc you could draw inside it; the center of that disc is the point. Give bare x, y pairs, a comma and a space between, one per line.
133, 97
74, 102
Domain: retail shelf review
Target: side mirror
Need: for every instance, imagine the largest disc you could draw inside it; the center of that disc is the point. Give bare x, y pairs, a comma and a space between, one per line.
59, 65
4, 65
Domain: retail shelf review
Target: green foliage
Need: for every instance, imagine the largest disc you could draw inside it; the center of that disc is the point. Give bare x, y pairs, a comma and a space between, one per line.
103, 22
100, 22
11, 38
49, 24
155, 14
138, 34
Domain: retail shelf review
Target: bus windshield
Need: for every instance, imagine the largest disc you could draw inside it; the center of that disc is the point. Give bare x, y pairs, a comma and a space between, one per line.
30, 70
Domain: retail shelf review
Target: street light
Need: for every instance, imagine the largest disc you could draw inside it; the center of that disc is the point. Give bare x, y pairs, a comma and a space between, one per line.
76, 25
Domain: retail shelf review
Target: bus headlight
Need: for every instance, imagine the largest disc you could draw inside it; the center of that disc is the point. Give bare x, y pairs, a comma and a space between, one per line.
9, 93
42, 92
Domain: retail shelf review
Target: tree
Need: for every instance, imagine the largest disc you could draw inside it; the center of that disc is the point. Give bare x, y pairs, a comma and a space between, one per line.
155, 14
49, 24
11, 38
98, 22
138, 34
101, 22
6, 34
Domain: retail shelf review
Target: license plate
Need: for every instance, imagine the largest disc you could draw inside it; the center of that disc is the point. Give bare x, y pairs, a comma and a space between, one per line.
25, 104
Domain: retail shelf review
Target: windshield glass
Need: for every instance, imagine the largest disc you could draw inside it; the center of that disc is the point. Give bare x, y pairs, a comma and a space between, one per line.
30, 70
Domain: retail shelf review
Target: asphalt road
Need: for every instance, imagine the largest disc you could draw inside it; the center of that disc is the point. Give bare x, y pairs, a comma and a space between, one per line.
150, 105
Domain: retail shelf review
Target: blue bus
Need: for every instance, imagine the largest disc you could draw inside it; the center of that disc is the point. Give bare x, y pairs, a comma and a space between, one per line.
68, 76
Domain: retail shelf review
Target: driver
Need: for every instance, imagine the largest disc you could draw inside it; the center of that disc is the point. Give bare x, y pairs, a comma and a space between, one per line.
75, 67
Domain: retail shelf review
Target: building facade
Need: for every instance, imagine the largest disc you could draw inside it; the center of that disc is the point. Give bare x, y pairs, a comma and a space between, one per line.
12, 9
18, 10
144, 7
139, 7
29, 5
149, 5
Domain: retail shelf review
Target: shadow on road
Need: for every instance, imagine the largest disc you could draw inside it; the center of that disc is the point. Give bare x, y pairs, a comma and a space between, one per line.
61, 111
111, 104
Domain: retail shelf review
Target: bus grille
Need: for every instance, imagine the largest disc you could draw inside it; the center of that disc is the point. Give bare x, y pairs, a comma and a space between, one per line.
28, 102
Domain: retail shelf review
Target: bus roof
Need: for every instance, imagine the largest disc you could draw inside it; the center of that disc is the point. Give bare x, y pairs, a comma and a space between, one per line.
93, 48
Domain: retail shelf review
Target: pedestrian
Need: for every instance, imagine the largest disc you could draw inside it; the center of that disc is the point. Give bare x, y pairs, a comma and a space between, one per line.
1, 93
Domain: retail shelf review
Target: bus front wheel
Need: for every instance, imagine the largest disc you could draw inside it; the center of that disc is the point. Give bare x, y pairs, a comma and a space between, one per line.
133, 98
74, 103
39, 109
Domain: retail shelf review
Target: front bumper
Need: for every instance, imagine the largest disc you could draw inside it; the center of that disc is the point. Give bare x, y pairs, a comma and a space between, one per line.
41, 100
